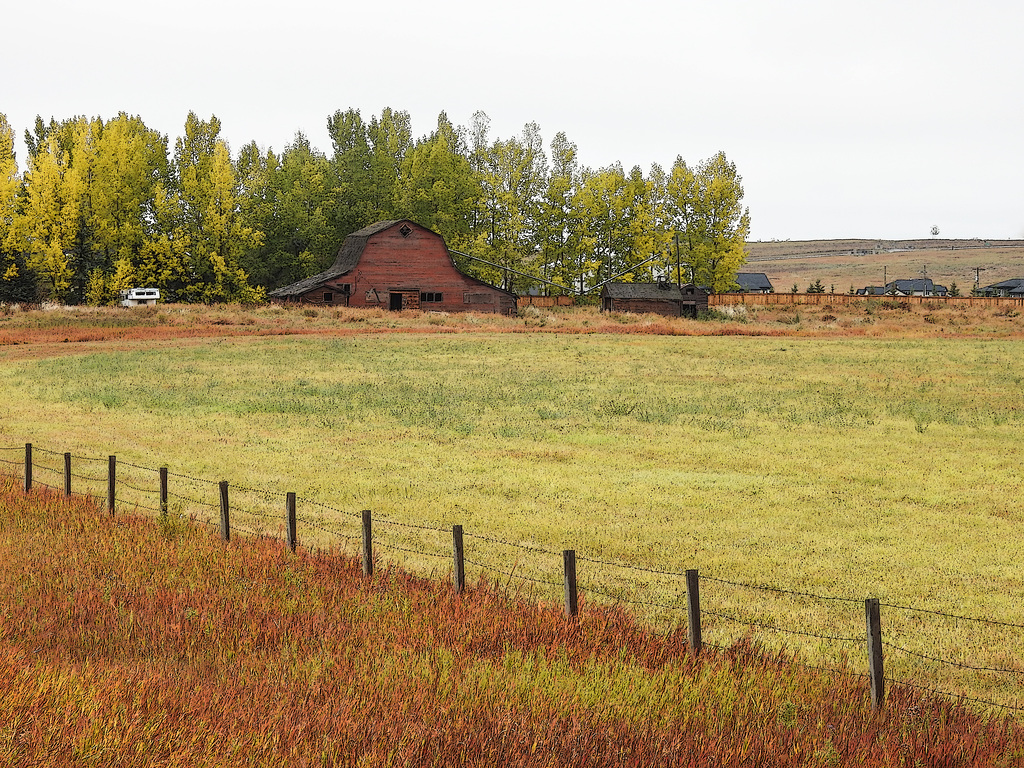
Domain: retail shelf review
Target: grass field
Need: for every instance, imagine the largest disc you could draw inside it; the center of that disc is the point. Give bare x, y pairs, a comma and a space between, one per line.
132, 642
798, 458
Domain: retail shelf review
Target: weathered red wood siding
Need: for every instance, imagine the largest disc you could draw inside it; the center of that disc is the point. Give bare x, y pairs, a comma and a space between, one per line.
669, 308
412, 265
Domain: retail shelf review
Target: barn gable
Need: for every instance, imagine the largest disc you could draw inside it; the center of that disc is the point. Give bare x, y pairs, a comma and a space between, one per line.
397, 264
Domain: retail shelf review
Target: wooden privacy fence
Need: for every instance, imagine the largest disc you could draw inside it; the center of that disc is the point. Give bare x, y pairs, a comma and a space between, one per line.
825, 299
570, 586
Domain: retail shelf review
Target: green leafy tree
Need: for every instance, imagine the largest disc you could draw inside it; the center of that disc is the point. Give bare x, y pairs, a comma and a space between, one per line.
353, 170
390, 139
617, 224
437, 187
291, 201
513, 176
210, 224
706, 209
559, 225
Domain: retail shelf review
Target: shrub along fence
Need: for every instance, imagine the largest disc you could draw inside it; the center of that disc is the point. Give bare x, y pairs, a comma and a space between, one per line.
219, 505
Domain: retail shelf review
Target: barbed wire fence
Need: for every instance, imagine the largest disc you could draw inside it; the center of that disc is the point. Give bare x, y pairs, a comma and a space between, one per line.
528, 571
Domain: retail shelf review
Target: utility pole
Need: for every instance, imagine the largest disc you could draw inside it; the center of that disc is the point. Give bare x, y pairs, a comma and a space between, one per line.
679, 274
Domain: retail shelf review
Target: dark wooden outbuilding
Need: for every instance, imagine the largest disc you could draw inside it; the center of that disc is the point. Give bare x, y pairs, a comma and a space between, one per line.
662, 298
397, 265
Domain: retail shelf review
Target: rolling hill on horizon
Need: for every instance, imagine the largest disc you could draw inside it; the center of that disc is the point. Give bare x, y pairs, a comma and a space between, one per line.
842, 263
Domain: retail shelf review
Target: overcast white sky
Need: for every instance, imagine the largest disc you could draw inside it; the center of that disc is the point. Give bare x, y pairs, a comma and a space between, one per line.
875, 119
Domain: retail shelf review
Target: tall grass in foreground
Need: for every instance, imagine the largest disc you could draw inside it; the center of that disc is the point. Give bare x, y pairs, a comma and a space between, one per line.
127, 642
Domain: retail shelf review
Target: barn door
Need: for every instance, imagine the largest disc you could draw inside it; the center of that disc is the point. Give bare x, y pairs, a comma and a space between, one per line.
396, 302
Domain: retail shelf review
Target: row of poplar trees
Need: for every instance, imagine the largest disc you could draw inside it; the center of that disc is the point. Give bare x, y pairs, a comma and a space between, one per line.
109, 205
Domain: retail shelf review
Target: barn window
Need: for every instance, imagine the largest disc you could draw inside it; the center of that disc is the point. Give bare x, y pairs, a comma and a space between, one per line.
431, 297
345, 288
328, 297
406, 230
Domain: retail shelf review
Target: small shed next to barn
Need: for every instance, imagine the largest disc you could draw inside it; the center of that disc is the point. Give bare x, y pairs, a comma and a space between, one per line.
397, 265
662, 298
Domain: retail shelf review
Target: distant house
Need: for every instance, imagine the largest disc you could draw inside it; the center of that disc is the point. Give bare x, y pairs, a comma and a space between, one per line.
397, 265
662, 298
1013, 288
921, 286
754, 282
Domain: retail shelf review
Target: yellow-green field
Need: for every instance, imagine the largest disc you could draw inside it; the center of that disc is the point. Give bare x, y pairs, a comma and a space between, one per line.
842, 467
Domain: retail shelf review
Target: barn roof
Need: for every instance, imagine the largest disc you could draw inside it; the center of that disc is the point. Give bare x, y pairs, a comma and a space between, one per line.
346, 260
643, 291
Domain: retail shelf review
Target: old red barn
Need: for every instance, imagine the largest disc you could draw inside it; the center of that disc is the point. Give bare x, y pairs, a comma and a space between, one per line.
397, 265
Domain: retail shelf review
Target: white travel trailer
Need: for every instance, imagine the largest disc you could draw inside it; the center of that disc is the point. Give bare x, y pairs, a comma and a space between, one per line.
139, 297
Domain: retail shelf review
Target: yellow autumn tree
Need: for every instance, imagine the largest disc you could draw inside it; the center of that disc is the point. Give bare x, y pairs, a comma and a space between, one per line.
50, 229
12, 274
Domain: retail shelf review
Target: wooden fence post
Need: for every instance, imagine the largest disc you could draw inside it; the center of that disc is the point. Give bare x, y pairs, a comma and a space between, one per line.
163, 491
875, 671
367, 544
569, 561
289, 504
693, 609
28, 467
225, 519
111, 483
67, 474
459, 556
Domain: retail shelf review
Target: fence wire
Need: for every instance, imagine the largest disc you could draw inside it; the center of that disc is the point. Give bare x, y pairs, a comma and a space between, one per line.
408, 538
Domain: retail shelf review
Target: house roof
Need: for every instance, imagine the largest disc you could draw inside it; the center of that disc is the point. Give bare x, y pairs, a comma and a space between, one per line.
754, 281
1013, 285
918, 284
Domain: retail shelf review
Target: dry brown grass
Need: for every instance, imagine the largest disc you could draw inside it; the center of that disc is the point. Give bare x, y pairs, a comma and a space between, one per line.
835, 263
37, 332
